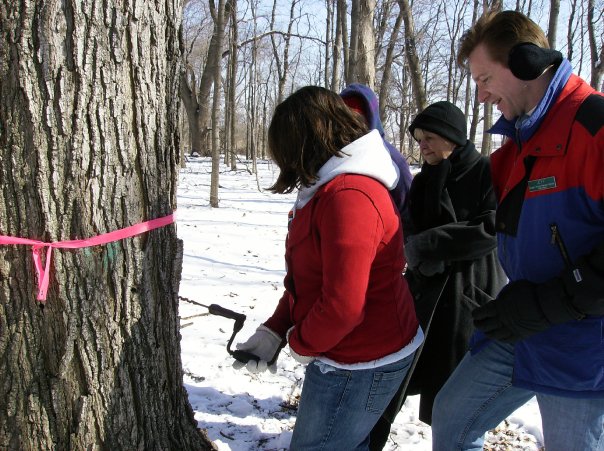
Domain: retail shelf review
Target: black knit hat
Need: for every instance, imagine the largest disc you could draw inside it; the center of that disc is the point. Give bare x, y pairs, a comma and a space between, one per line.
444, 119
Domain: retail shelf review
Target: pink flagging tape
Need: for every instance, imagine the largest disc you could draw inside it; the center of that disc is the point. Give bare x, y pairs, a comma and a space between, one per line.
38, 247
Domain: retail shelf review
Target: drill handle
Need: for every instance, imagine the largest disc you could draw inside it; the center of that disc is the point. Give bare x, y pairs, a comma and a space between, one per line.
216, 309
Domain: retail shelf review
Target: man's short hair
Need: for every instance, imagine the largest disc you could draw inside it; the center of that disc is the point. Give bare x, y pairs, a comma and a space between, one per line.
499, 31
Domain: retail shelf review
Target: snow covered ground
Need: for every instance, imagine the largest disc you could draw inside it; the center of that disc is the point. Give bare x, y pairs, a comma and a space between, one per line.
233, 257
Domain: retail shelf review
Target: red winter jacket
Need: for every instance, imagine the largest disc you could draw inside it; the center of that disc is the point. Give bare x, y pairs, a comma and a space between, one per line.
345, 292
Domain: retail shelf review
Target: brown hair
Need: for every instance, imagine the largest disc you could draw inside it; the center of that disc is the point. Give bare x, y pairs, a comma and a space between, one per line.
307, 129
499, 32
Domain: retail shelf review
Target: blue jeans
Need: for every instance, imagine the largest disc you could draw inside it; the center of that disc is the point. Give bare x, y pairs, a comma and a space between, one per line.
479, 395
338, 408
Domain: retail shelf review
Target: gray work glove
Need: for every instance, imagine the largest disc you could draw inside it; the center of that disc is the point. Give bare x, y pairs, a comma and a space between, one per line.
265, 344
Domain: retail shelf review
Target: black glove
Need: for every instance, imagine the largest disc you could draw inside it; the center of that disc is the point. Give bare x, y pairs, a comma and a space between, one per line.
413, 251
523, 308
513, 315
584, 285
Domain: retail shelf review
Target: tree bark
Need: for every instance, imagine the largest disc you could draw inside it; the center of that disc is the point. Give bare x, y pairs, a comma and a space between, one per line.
387, 73
363, 41
219, 15
419, 93
552, 29
337, 50
89, 144
343, 24
231, 125
282, 63
596, 56
197, 98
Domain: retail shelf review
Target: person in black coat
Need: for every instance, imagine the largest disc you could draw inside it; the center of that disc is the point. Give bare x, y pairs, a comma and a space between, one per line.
451, 242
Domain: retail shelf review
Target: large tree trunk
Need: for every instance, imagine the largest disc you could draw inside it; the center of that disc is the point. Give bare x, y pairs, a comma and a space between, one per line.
89, 144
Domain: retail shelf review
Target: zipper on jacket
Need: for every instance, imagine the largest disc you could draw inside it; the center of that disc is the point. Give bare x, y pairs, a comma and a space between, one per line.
557, 241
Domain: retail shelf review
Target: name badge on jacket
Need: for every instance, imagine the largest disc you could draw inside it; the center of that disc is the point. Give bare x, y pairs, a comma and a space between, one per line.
542, 184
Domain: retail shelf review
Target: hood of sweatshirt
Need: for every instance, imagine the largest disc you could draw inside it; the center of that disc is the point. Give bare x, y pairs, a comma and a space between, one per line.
365, 156
369, 100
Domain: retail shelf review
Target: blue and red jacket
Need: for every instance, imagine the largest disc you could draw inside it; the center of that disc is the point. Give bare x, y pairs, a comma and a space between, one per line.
548, 178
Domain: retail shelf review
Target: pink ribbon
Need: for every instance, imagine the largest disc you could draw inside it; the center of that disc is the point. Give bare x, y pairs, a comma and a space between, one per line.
39, 246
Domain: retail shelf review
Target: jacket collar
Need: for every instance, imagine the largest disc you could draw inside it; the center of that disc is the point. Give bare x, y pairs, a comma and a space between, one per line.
365, 156
463, 159
525, 126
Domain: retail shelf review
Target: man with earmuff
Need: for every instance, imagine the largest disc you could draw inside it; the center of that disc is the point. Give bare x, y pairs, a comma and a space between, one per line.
543, 335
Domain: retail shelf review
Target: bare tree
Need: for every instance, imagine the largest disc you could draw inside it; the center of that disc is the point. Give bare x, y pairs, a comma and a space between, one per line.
337, 43
196, 98
329, 40
231, 107
343, 25
487, 142
552, 29
472, 100
412, 59
388, 64
252, 88
362, 44
454, 30
597, 56
218, 14
282, 62
89, 144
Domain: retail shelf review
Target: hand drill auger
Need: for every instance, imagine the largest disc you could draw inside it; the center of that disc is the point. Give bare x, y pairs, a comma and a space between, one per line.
239, 318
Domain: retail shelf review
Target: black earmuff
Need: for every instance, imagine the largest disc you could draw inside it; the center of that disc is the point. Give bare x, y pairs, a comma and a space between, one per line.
528, 61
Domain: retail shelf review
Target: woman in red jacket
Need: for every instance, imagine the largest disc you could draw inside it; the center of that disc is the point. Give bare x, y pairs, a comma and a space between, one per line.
346, 311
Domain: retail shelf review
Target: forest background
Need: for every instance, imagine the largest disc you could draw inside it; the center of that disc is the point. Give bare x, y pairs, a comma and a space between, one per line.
99, 103
244, 57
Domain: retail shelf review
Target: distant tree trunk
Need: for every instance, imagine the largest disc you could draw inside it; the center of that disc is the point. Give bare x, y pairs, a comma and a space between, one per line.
354, 39
487, 143
455, 79
252, 109
552, 29
282, 62
571, 30
343, 23
232, 124
362, 41
89, 144
387, 73
329, 16
419, 93
337, 52
597, 56
472, 100
197, 127
198, 104
219, 25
